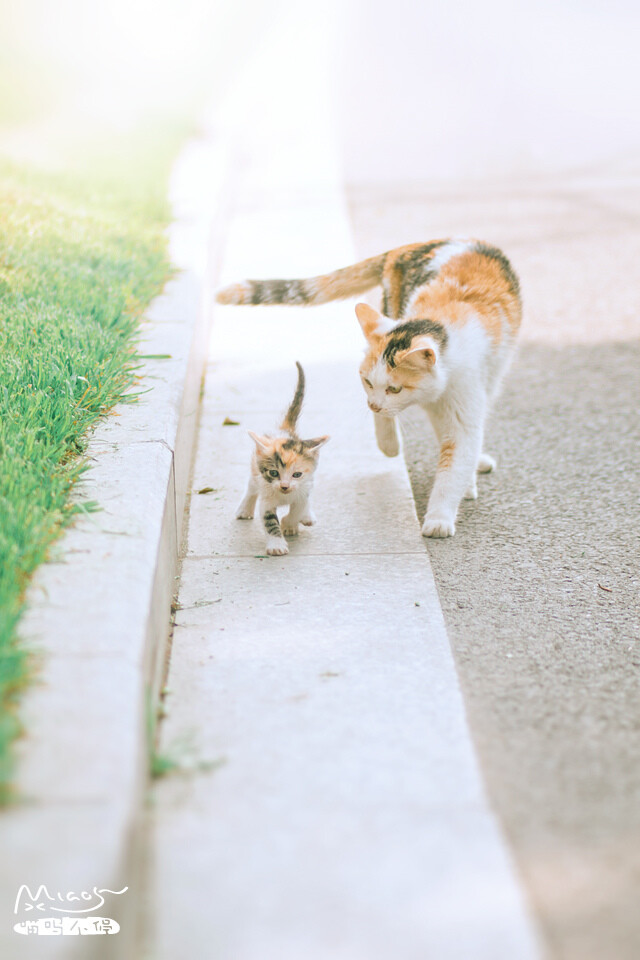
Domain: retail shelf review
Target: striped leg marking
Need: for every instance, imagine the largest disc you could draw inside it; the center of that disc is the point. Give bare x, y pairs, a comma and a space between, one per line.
276, 544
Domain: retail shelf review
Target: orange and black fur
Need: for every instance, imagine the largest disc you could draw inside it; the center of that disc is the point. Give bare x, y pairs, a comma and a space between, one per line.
282, 470
451, 310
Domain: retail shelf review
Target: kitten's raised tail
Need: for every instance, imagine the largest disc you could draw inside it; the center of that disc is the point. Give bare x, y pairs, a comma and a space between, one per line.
347, 282
292, 414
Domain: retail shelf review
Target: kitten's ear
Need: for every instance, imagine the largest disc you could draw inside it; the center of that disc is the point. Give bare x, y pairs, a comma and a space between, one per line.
262, 443
421, 353
374, 325
315, 444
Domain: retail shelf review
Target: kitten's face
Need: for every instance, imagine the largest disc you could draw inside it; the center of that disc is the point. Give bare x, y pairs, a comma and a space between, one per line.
401, 365
287, 464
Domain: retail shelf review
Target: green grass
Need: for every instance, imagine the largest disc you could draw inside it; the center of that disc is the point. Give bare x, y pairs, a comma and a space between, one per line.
82, 253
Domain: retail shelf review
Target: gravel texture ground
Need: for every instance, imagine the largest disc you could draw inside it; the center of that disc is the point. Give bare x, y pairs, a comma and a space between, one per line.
539, 587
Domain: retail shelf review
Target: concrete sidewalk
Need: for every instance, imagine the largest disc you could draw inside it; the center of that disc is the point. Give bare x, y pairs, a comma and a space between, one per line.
334, 807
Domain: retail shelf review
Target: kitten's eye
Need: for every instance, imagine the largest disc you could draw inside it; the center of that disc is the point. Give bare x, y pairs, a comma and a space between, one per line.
297, 474
273, 473
368, 382
394, 389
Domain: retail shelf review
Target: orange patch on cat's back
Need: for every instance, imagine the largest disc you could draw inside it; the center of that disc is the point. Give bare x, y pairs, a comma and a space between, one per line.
474, 284
393, 274
442, 302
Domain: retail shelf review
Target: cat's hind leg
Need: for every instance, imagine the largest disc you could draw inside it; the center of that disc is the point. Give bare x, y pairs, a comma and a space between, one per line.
387, 435
472, 490
247, 508
485, 463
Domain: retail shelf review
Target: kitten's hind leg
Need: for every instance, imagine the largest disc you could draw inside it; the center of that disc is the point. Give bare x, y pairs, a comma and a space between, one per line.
299, 512
308, 518
485, 463
290, 522
247, 508
387, 435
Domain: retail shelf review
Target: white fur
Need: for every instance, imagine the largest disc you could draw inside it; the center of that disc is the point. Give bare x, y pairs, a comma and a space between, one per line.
387, 435
271, 497
455, 392
448, 251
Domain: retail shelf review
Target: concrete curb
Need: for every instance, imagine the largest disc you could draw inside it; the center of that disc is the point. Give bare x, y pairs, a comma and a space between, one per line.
99, 611
335, 807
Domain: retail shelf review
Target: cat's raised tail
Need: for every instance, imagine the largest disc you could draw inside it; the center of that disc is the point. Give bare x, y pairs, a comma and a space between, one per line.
347, 282
291, 416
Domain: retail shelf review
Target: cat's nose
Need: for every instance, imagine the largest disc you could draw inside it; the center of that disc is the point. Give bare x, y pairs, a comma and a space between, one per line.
284, 487
375, 407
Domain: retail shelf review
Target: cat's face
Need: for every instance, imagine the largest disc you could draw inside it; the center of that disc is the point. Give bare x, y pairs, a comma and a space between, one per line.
287, 464
402, 364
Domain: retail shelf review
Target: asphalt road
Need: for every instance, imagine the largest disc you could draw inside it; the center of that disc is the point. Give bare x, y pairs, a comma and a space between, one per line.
539, 586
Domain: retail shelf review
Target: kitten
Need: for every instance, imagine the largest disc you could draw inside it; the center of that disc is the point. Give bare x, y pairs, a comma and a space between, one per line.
282, 469
451, 310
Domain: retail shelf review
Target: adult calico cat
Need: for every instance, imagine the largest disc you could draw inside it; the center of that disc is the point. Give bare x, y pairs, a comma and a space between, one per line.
451, 310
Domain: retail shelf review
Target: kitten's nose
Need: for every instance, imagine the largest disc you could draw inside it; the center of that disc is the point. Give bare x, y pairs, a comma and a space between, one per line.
374, 407
284, 487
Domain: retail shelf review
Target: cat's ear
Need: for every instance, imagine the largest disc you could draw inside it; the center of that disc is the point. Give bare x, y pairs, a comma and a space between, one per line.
421, 353
314, 445
262, 443
374, 325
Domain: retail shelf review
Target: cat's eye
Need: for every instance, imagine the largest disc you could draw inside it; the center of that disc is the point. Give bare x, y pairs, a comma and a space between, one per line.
368, 382
394, 389
273, 473
297, 474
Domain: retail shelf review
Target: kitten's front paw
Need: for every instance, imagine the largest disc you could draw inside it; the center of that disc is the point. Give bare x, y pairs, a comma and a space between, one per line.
276, 547
289, 530
438, 525
486, 463
308, 519
243, 513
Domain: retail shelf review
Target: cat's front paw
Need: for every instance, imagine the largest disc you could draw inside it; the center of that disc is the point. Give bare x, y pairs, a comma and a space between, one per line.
289, 529
438, 525
390, 446
276, 547
387, 435
244, 513
308, 519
